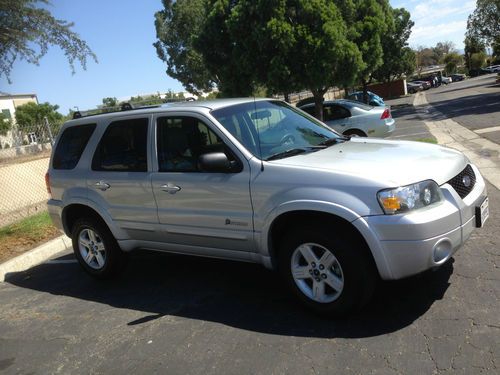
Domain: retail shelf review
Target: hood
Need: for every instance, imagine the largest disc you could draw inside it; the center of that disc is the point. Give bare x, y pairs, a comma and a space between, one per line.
395, 163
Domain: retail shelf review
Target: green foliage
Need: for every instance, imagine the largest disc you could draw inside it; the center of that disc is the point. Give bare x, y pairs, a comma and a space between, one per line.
28, 29
398, 58
110, 102
473, 44
371, 21
5, 124
32, 116
477, 60
484, 23
452, 61
177, 27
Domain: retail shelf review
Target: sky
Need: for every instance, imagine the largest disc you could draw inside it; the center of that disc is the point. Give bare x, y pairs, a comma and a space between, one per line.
121, 34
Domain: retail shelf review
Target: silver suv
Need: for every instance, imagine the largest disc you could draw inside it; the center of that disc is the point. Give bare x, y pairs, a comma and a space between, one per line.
260, 181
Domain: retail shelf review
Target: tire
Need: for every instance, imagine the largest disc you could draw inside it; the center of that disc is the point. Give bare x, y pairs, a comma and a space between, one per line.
350, 273
96, 249
355, 133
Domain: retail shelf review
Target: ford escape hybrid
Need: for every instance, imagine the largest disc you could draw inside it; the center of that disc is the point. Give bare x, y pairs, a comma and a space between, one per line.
260, 181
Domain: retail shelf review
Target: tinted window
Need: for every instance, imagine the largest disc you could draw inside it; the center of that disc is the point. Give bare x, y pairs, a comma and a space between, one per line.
181, 141
123, 147
334, 112
71, 145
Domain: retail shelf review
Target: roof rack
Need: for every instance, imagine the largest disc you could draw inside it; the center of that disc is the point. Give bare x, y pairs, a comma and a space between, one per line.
126, 106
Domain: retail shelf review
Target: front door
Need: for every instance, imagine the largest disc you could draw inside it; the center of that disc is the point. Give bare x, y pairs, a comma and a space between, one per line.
196, 208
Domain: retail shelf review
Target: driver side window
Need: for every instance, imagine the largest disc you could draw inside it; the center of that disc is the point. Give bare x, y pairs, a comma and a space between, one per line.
181, 140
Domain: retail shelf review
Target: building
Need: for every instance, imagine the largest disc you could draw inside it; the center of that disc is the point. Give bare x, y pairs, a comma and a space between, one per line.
8, 105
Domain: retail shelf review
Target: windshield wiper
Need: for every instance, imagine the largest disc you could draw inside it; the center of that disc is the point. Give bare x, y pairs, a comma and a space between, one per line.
333, 141
291, 152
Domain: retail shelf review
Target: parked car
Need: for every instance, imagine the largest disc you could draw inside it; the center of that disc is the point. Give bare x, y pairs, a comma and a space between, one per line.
373, 99
425, 84
445, 80
412, 87
353, 118
257, 180
457, 77
493, 68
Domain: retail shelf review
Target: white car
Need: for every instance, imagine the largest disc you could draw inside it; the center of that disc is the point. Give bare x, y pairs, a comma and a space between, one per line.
446, 80
350, 117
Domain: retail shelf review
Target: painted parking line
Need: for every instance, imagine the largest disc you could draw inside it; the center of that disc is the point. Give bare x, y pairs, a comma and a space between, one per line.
487, 130
407, 135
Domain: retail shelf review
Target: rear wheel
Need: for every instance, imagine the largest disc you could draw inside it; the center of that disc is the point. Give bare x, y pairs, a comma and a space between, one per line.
355, 133
330, 273
96, 249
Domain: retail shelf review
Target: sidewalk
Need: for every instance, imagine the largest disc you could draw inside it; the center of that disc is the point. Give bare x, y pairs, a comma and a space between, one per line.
484, 153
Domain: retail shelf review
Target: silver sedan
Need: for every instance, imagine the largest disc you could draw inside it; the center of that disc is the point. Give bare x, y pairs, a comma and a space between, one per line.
349, 117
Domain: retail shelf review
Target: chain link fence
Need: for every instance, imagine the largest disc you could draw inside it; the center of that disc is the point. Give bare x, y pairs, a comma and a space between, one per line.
24, 160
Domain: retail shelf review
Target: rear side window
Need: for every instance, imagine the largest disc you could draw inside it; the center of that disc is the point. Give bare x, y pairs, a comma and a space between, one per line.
71, 145
123, 147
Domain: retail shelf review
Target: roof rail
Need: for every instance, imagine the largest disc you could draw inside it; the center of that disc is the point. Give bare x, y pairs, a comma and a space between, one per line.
126, 106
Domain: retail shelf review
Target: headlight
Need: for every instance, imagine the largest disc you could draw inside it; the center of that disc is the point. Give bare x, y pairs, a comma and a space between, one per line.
411, 197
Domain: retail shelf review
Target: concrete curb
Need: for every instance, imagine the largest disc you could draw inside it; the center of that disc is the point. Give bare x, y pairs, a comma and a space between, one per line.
36, 256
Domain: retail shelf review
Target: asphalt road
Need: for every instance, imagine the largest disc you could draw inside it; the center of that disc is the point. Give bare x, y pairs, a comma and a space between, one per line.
179, 315
473, 103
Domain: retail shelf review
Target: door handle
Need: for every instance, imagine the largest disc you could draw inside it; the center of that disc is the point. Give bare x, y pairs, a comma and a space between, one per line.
170, 188
101, 185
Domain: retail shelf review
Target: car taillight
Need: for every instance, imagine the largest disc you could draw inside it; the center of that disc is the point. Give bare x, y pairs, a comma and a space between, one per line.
47, 183
386, 114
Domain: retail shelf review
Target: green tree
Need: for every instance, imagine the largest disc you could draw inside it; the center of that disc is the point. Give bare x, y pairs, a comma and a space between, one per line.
30, 117
5, 124
442, 49
372, 20
452, 61
472, 44
178, 25
484, 22
399, 59
28, 29
110, 102
477, 60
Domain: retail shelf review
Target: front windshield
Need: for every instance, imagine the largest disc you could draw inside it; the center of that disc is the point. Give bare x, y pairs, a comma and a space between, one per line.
267, 128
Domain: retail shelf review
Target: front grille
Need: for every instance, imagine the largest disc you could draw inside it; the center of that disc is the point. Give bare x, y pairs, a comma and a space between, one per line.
458, 184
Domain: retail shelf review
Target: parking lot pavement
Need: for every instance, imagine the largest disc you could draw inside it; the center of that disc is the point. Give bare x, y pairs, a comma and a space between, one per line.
179, 314
473, 103
409, 120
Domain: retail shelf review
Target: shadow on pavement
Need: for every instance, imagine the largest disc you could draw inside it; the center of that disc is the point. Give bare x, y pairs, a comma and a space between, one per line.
468, 105
244, 296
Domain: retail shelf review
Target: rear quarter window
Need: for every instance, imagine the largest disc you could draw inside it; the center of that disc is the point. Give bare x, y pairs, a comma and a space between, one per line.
70, 147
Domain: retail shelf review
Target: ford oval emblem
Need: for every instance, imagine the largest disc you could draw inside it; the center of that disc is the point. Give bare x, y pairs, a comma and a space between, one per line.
466, 181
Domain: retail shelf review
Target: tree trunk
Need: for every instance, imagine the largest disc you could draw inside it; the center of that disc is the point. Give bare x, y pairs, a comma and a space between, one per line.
318, 103
365, 91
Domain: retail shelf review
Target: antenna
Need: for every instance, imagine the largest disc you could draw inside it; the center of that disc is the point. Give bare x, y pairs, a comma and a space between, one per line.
258, 135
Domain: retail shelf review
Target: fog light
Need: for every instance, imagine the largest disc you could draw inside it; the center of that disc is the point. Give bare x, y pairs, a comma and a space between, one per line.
442, 250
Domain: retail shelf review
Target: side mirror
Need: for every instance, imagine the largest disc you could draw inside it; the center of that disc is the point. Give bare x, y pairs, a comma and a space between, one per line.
215, 162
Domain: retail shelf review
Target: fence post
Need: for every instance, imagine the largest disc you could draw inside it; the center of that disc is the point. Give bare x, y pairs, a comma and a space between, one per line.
49, 130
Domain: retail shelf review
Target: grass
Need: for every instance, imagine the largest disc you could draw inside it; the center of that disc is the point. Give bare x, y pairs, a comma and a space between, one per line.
26, 234
427, 140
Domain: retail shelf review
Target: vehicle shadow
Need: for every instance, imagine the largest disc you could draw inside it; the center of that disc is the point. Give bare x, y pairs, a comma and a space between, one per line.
479, 104
245, 296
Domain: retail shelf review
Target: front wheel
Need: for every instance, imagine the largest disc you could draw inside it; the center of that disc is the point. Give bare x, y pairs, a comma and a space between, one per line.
330, 273
96, 249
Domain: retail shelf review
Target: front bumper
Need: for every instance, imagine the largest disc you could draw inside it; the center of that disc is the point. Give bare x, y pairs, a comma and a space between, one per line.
408, 244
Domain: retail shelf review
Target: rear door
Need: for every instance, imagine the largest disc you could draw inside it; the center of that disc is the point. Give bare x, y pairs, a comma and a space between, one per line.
337, 117
120, 176
196, 208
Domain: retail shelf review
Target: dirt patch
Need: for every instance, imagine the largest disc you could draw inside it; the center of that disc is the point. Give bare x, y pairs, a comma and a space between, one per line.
25, 235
